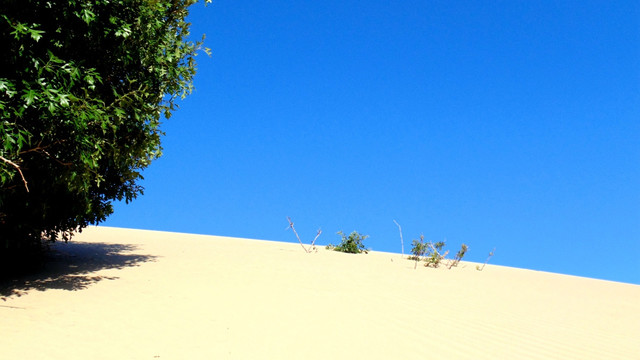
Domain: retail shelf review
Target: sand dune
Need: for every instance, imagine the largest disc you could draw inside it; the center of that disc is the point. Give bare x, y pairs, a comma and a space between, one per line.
133, 294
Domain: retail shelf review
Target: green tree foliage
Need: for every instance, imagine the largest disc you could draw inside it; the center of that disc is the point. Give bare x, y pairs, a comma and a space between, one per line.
83, 87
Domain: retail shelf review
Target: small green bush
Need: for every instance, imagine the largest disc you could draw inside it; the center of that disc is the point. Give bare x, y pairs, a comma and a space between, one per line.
434, 257
459, 256
350, 244
418, 249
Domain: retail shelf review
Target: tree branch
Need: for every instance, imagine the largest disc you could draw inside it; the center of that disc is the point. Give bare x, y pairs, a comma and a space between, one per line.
17, 168
42, 149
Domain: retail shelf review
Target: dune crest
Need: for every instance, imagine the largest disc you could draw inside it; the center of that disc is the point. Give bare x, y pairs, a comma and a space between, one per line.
132, 294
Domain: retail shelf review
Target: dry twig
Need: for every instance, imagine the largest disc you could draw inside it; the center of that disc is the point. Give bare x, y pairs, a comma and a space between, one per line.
295, 232
313, 246
401, 241
486, 261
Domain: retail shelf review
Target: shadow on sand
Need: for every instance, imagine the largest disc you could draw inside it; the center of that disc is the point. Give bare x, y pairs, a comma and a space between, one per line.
71, 266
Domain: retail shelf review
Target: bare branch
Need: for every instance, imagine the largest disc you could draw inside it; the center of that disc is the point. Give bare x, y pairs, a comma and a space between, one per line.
401, 241
295, 232
316, 238
486, 261
17, 168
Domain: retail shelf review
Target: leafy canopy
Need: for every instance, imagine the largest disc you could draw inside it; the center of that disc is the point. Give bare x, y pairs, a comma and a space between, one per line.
83, 87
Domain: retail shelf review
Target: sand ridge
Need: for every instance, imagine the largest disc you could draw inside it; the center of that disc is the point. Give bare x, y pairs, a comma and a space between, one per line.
132, 294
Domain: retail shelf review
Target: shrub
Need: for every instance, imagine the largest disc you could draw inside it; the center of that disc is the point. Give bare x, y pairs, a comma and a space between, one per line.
459, 256
433, 256
350, 244
433, 253
418, 249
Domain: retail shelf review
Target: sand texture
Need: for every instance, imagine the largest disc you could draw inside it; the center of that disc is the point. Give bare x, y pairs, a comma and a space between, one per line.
132, 294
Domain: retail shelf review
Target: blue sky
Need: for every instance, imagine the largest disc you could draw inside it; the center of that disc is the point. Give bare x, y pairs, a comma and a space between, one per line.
505, 124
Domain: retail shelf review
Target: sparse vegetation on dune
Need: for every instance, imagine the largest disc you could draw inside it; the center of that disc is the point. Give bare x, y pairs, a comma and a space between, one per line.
432, 253
312, 247
459, 256
352, 244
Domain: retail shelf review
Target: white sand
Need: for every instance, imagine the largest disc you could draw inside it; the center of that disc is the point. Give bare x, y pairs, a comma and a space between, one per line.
178, 296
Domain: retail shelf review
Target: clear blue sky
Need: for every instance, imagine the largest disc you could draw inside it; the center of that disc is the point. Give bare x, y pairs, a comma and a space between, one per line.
505, 124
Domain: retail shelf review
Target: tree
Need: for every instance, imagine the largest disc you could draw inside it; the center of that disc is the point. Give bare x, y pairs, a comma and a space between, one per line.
83, 87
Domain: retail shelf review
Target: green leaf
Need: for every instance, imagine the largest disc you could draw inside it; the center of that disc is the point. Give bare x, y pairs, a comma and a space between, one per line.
29, 97
36, 34
87, 16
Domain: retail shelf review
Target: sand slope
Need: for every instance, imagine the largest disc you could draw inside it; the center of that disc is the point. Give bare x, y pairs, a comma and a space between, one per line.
132, 294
